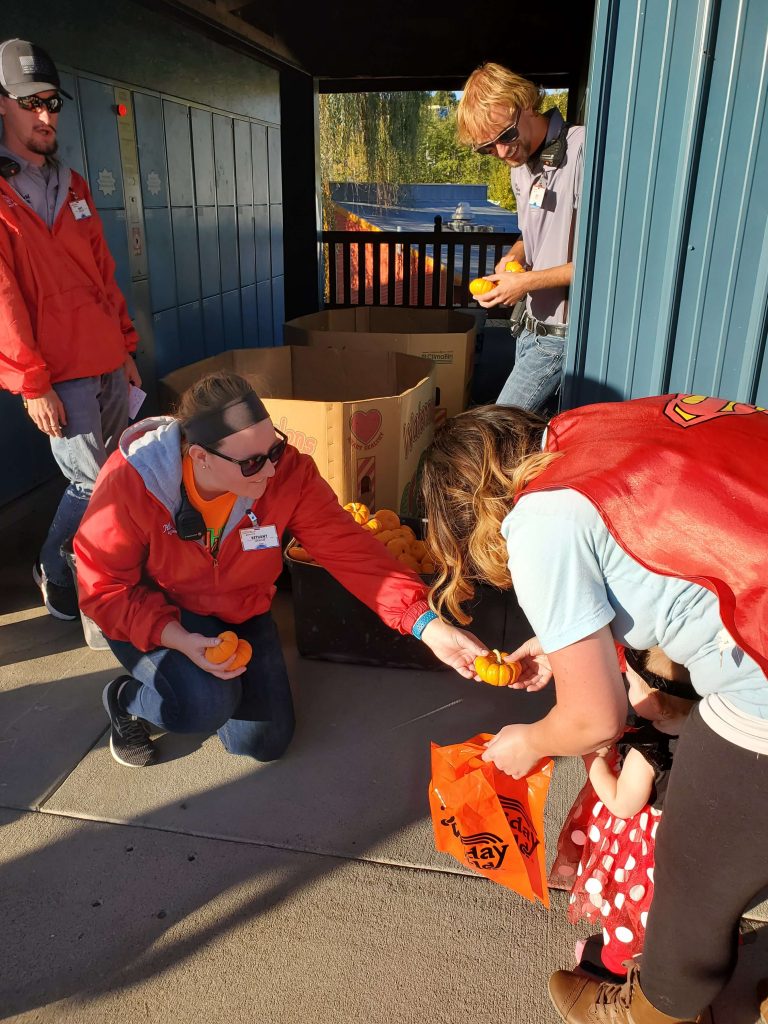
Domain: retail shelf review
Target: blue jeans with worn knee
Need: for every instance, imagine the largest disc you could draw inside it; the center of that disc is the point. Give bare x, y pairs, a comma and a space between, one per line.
97, 413
537, 371
253, 714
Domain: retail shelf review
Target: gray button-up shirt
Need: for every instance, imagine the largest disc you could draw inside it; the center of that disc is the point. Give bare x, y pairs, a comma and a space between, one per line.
43, 188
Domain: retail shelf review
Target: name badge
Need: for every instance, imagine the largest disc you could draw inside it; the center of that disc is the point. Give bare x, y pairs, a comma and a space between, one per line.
253, 539
80, 209
536, 200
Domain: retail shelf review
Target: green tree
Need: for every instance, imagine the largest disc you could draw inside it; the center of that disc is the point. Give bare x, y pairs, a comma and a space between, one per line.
369, 138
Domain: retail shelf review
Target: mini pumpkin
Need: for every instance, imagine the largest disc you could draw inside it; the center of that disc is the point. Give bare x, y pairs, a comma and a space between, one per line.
389, 520
373, 525
493, 669
513, 267
222, 652
300, 554
397, 546
419, 550
479, 286
410, 561
359, 512
243, 655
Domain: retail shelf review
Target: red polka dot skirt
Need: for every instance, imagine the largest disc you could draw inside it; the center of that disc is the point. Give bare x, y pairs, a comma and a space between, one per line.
609, 863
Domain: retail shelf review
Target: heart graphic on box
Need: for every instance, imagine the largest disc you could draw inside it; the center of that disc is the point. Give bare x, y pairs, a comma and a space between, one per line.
365, 425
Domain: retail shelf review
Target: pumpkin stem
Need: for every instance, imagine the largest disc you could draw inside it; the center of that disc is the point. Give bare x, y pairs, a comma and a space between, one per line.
498, 656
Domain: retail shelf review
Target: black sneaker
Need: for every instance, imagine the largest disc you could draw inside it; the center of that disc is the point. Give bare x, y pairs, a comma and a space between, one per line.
61, 602
129, 736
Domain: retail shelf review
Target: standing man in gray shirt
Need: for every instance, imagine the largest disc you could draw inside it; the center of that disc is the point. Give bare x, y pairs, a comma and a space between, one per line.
499, 115
65, 335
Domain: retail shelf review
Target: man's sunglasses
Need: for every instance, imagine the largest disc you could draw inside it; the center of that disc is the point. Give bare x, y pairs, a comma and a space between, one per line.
254, 463
506, 138
52, 104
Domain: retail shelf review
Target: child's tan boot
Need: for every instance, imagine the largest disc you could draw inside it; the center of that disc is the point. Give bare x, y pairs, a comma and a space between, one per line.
581, 1000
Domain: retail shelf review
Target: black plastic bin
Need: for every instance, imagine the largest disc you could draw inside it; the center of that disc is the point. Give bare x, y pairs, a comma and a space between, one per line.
332, 625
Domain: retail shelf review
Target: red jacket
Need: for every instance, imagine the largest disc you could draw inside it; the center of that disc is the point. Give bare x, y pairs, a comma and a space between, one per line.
61, 314
681, 482
134, 573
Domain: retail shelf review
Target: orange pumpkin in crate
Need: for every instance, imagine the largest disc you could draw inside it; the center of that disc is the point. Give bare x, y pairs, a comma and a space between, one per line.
359, 512
494, 670
388, 519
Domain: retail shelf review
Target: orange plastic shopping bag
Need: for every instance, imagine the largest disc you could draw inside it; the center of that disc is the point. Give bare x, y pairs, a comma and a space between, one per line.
492, 823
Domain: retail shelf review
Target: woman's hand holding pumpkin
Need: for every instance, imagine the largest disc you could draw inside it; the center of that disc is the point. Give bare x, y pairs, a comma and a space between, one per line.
536, 671
194, 646
453, 646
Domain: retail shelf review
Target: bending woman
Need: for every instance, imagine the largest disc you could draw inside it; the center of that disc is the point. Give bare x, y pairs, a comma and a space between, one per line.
639, 522
182, 540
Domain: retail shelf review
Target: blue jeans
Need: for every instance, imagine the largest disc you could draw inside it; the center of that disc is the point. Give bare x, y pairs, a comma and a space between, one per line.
253, 714
97, 413
536, 374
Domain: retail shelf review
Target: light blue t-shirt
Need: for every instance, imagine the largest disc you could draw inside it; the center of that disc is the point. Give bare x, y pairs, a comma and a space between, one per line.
572, 578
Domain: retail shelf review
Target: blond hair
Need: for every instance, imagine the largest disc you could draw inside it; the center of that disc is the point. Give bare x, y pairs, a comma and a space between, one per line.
209, 393
477, 464
487, 89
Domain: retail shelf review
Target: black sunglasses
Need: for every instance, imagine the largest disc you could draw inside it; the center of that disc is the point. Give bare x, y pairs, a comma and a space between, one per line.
506, 138
254, 463
52, 104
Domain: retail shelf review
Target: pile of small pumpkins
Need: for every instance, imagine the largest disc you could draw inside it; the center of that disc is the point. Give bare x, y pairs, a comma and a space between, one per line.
385, 525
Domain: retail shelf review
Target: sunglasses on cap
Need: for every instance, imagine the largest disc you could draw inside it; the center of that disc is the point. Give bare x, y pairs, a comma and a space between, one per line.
505, 138
52, 104
254, 463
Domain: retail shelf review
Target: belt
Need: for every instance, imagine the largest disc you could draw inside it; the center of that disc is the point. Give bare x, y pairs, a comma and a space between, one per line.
538, 327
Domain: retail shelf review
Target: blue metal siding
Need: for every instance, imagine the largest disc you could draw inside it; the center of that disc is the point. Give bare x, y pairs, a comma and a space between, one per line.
670, 290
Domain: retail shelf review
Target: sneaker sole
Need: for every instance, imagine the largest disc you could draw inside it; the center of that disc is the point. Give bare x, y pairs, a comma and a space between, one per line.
49, 608
127, 764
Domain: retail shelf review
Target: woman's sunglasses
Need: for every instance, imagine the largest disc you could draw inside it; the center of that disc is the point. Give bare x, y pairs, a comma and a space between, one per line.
505, 138
52, 104
254, 463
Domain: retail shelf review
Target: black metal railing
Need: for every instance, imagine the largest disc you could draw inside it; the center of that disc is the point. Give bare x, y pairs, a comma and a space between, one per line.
408, 268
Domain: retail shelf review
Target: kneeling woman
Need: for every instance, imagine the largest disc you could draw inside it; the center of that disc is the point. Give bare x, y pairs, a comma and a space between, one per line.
182, 540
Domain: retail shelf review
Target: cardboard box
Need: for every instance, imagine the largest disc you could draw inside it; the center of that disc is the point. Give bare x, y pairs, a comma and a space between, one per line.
445, 337
364, 417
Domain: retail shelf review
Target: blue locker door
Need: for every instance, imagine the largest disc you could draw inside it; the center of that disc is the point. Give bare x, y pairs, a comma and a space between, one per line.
264, 298
250, 317
105, 176
68, 131
191, 343
150, 140
213, 325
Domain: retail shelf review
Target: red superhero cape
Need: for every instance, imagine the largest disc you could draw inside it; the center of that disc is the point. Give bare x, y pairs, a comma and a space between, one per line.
681, 482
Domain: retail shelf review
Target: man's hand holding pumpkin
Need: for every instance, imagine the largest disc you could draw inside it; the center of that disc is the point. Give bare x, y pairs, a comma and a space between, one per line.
453, 646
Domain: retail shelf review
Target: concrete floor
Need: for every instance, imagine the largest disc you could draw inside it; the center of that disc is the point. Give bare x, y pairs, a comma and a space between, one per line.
212, 888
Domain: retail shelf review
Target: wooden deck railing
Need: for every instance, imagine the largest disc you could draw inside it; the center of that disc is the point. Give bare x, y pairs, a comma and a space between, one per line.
408, 268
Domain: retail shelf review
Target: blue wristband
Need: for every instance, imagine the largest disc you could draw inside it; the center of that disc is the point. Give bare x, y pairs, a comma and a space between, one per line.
421, 623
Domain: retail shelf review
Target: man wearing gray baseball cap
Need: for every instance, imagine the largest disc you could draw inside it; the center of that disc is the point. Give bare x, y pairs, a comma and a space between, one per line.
65, 335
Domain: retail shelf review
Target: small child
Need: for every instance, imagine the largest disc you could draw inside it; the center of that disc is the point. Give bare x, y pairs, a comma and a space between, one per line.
605, 852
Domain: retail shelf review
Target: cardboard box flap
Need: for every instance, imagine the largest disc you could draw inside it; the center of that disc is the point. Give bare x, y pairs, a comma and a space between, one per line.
402, 320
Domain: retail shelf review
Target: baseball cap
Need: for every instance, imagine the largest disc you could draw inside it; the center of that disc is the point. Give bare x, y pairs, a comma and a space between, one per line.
26, 69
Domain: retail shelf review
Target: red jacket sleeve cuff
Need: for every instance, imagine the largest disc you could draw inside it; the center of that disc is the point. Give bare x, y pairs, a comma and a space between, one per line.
416, 610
